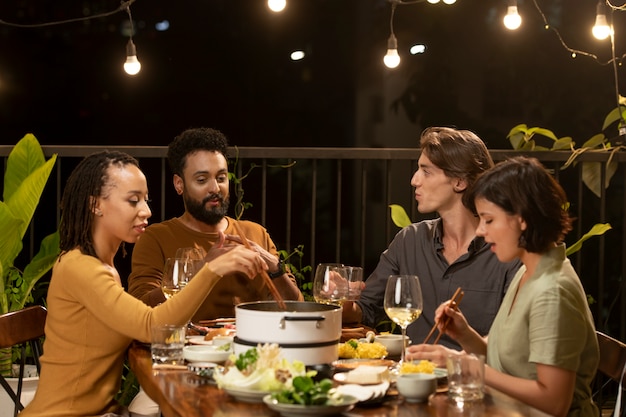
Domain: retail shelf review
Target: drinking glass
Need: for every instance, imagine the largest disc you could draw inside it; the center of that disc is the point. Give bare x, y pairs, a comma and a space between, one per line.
403, 302
325, 289
193, 260
176, 274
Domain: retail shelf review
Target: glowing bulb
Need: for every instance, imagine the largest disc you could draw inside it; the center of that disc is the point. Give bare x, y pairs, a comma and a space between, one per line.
297, 55
277, 5
392, 59
512, 20
433, 1
132, 66
449, 1
601, 30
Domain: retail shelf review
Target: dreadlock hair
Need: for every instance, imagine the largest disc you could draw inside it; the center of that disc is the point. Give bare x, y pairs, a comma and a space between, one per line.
191, 141
85, 184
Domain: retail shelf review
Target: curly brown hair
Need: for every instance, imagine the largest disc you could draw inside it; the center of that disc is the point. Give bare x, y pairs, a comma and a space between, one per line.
193, 140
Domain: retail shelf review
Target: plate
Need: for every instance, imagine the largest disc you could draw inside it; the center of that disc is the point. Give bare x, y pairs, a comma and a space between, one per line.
350, 364
246, 395
201, 353
295, 410
199, 340
365, 394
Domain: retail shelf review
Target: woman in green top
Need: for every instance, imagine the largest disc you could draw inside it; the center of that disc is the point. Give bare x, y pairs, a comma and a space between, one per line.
542, 347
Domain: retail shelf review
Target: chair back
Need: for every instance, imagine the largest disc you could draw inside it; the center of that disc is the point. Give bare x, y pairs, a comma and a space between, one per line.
17, 328
612, 357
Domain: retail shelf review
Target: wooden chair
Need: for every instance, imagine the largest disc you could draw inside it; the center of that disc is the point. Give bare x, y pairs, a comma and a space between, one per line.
612, 362
19, 328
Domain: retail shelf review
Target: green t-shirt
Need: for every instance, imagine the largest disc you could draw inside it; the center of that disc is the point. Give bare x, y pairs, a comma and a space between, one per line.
550, 324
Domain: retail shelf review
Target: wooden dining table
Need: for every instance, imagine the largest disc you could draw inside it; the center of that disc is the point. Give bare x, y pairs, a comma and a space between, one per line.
182, 393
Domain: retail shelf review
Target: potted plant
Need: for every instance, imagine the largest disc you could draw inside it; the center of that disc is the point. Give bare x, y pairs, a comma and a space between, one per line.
26, 175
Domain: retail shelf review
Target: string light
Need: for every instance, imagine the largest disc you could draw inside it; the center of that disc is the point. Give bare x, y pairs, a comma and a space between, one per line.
392, 59
512, 20
601, 30
132, 66
276, 5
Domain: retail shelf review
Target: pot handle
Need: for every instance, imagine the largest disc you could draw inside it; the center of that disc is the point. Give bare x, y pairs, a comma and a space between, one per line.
316, 319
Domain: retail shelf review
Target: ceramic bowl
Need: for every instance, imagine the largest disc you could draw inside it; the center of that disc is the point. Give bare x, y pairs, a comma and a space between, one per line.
203, 353
393, 343
417, 387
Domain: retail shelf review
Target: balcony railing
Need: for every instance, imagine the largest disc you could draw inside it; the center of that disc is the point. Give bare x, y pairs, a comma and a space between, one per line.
334, 202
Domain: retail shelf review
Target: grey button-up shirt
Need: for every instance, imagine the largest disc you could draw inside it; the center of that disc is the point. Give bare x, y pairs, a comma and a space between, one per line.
417, 250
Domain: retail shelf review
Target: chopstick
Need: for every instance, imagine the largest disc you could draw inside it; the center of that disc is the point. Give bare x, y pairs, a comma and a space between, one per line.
455, 300
216, 321
266, 278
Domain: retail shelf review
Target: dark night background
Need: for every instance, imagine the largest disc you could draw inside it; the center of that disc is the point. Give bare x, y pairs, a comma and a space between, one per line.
225, 64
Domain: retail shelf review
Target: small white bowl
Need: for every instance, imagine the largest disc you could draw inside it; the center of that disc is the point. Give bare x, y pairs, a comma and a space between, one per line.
416, 388
393, 343
204, 353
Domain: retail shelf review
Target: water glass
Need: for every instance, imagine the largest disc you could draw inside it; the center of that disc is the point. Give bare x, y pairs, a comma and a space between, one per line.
466, 377
167, 344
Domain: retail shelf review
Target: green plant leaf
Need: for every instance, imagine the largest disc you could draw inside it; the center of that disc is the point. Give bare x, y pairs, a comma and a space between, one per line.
592, 175
39, 265
614, 116
595, 141
25, 157
399, 216
563, 143
597, 230
543, 132
11, 242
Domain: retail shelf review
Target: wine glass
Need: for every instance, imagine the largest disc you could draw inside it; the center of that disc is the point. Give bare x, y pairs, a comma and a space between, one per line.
193, 259
325, 288
176, 275
403, 302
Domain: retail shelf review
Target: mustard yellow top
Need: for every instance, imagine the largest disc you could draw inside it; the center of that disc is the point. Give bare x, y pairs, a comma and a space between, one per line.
91, 322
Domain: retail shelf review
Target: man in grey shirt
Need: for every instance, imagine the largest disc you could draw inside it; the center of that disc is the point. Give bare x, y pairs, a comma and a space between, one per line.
444, 253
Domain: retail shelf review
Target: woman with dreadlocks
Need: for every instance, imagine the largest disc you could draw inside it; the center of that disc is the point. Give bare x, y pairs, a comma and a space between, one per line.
91, 319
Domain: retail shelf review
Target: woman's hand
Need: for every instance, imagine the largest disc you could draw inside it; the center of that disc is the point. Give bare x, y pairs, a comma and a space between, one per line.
451, 321
434, 353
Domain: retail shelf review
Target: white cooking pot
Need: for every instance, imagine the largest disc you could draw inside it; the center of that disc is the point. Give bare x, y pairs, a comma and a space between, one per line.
305, 331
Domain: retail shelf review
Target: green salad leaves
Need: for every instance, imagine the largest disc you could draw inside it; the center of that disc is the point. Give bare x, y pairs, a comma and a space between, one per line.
305, 391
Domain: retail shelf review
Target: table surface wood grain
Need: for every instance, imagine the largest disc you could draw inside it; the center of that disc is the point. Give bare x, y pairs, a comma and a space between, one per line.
181, 393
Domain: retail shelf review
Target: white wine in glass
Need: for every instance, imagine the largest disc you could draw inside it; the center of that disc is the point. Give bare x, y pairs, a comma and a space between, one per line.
403, 302
174, 277
325, 288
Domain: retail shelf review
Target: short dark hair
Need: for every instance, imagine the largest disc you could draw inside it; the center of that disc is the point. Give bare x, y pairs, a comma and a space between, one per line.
522, 186
459, 153
193, 140
86, 182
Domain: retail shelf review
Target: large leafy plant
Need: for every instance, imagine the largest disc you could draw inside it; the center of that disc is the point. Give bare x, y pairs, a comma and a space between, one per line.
26, 175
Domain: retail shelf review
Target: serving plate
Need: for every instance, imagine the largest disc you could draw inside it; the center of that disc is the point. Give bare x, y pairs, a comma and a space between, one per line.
296, 410
246, 395
199, 340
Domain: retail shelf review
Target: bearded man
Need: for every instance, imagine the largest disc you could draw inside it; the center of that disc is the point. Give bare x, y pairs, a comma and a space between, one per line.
197, 158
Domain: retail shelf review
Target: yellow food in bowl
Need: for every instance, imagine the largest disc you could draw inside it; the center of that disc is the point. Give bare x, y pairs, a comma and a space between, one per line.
354, 349
423, 366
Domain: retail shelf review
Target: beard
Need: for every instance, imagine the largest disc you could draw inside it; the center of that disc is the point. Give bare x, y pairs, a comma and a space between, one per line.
211, 216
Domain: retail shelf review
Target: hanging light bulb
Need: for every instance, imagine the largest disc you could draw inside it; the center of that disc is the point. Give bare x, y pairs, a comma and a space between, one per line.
601, 30
132, 65
392, 59
449, 1
512, 20
277, 5
433, 1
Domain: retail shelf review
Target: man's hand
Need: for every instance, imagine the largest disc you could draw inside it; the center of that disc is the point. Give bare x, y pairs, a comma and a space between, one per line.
270, 260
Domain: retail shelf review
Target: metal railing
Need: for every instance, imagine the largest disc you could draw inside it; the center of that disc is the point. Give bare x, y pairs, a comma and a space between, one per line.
334, 202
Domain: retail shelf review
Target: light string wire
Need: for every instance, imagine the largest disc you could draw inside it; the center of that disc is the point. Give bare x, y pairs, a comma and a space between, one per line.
124, 7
